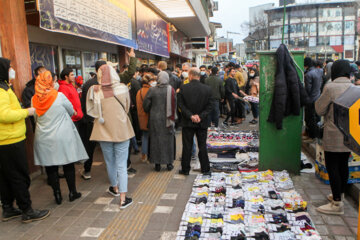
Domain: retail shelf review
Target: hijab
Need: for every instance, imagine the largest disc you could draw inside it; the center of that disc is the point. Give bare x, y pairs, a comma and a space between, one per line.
163, 80
110, 82
340, 68
45, 94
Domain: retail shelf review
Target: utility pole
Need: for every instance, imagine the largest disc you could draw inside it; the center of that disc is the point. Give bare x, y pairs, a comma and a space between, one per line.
228, 42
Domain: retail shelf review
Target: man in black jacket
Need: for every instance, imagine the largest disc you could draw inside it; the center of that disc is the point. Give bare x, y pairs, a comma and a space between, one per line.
88, 124
195, 103
29, 92
232, 92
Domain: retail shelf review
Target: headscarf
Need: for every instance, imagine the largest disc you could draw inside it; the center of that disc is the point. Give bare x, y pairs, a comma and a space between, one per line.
4, 73
340, 68
45, 94
110, 81
163, 80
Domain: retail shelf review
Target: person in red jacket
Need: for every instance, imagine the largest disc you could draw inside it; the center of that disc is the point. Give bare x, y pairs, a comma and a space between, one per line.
67, 88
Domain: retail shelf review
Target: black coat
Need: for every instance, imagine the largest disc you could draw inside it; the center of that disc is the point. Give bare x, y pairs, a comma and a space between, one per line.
231, 87
289, 92
174, 81
28, 93
195, 98
85, 89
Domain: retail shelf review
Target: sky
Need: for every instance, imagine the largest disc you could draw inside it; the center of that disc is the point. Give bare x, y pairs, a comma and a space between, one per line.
232, 13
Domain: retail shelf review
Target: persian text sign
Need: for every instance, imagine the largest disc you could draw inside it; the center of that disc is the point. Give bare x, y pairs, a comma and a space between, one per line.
104, 20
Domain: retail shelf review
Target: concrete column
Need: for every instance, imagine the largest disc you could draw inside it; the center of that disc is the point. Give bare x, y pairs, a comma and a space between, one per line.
15, 41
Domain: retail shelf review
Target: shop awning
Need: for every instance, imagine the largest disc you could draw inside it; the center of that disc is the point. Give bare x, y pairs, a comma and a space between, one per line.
338, 49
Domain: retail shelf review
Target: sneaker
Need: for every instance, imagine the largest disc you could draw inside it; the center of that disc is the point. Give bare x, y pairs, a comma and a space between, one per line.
334, 208
183, 172
10, 213
34, 215
86, 175
131, 170
330, 197
112, 192
128, 202
253, 121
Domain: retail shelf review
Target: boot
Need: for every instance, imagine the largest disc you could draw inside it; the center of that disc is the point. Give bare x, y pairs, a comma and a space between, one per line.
9, 212
170, 167
330, 197
58, 197
31, 215
74, 195
157, 167
334, 208
143, 158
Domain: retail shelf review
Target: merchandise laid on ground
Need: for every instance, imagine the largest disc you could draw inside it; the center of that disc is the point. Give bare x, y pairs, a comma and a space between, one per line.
247, 205
232, 151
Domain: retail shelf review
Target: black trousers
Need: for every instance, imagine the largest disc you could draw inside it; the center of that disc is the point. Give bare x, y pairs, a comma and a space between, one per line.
232, 112
69, 173
135, 123
187, 141
14, 176
338, 170
85, 130
311, 120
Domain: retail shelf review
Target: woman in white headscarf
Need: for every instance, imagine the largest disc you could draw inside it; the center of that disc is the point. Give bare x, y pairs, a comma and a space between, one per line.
109, 104
160, 102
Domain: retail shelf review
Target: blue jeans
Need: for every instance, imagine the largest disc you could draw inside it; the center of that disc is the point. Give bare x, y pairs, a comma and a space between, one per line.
145, 142
133, 144
116, 155
214, 114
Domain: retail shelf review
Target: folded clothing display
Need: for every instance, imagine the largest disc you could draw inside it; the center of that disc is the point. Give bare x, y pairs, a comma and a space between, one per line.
249, 205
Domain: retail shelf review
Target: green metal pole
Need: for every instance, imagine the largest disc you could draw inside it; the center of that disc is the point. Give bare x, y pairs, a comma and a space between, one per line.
283, 30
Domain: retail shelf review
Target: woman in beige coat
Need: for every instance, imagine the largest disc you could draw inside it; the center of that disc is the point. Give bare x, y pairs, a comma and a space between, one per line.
109, 104
336, 154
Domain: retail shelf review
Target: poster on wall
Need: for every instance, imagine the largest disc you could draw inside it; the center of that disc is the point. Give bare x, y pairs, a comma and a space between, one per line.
110, 21
152, 32
42, 55
178, 44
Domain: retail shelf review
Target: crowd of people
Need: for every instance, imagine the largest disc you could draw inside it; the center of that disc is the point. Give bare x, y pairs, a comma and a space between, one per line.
118, 111
144, 105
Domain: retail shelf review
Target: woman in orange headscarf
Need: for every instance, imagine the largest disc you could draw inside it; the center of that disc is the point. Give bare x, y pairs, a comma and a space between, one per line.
57, 142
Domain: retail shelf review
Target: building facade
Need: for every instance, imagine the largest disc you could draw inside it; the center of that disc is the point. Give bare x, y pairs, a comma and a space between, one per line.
323, 30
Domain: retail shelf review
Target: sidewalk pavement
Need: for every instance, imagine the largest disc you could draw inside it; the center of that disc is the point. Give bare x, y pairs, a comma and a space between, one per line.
159, 201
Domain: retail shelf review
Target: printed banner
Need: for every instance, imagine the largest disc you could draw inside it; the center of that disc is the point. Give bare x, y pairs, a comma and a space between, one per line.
152, 33
104, 20
178, 45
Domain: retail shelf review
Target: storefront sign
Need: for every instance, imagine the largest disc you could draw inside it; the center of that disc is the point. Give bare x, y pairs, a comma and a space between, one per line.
104, 20
152, 33
178, 44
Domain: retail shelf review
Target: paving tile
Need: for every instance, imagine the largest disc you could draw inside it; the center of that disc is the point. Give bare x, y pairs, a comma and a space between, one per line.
91, 213
322, 229
340, 230
112, 208
74, 230
163, 209
92, 232
168, 235
101, 222
352, 222
333, 220
179, 176
169, 196
151, 235
317, 220
350, 238
74, 213
354, 230
83, 205
157, 222
104, 200
56, 230
84, 221
340, 237
317, 197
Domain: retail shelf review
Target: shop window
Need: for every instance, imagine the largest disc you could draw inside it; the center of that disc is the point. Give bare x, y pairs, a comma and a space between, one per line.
72, 59
349, 54
43, 55
349, 40
89, 63
349, 26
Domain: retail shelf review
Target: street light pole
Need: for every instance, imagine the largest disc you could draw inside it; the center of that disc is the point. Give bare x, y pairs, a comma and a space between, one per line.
228, 42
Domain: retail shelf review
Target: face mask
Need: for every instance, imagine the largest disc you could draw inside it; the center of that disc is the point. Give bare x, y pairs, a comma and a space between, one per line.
252, 74
11, 74
153, 84
202, 73
185, 75
56, 86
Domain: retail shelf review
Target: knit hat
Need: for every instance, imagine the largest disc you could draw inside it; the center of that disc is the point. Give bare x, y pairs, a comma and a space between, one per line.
340, 68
